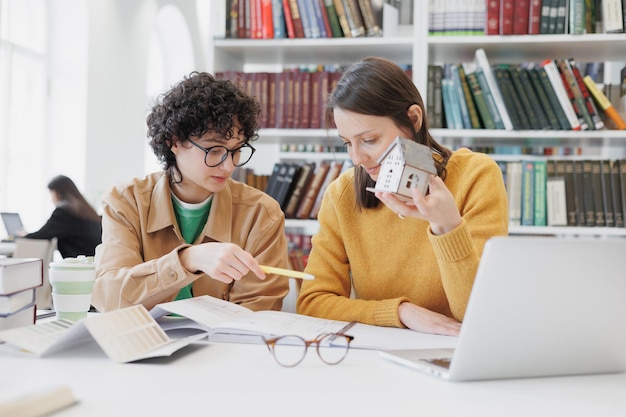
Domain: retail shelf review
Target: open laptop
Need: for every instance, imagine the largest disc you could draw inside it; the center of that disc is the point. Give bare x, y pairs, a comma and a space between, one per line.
540, 306
12, 224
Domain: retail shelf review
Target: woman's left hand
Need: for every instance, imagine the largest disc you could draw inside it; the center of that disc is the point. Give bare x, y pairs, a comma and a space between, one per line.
437, 207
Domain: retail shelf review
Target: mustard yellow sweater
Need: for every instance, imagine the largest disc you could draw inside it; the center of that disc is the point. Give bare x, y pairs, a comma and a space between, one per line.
386, 260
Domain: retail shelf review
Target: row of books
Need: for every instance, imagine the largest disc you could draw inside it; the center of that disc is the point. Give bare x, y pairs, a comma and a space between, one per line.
526, 17
562, 192
280, 19
299, 249
551, 95
298, 186
499, 150
292, 99
19, 279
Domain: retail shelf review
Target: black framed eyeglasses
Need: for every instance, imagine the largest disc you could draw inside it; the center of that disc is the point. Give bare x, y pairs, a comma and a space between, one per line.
216, 155
290, 350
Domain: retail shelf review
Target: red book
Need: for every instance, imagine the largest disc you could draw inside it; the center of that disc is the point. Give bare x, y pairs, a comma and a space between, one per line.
493, 17
267, 21
319, 97
325, 19
256, 19
521, 17
506, 16
534, 17
305, 100
272, 98
241, 20
296, 19
288, 20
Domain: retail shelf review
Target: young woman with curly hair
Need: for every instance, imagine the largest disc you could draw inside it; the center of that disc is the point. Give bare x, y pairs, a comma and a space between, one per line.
192, 230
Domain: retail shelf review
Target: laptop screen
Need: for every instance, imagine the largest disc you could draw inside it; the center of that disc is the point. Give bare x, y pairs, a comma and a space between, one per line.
12, 223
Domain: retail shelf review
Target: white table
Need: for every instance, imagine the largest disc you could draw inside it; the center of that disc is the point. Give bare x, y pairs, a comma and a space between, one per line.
238, 380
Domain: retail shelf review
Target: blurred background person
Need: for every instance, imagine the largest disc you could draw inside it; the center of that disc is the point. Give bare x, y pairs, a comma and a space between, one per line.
74, 222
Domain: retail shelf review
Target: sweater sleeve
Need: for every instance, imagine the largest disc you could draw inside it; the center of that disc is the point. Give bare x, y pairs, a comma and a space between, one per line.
478, 188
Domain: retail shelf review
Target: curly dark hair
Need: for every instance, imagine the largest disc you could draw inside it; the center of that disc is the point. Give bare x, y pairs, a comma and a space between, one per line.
198, 104
379, 87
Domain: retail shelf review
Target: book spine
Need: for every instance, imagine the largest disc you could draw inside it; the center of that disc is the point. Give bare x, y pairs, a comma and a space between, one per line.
489, 98
483, 63
320, 18
544, 19
291, 34
596, 120
522, 93
549, 100
507, 8
493, 17
566, 169
438, 96
343, 18
451, 109
612, 19
514, 191
479, 99
528, 194
574, 94
534, 17
333, 19
516, 110
554, 77
296, 18
607, 190
304, 210
554, 11
556, 200
616, 193
561, 16
372, 28
469, 100
301, 180
278, 19
576, 20
579, 183
460, 97
540, 178
353, 15
597, 193
604, 103
521, 17
588, 193
266, 20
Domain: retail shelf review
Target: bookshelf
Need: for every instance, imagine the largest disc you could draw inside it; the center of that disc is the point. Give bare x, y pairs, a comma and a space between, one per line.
416, 48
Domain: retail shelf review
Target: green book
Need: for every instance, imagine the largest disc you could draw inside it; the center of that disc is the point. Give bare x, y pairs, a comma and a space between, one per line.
552, 101
477, 94
528, 194
333, 19
524, 89
540, 178
469, 99
512, 101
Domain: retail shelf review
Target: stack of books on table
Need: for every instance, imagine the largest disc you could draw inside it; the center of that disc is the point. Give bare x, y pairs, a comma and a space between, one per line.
19, 279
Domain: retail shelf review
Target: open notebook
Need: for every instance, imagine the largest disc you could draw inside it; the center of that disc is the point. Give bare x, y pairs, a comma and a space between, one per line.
539, 307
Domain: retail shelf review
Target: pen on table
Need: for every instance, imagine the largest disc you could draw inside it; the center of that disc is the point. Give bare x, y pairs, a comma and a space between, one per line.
343, 330
286, 272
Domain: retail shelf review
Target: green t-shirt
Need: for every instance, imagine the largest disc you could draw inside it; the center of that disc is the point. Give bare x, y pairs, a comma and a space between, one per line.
191, 219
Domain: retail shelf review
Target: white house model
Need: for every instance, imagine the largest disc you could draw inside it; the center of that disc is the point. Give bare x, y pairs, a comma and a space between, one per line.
405, 164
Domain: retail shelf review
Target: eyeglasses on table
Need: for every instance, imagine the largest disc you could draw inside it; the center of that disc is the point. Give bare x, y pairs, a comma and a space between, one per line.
290, 350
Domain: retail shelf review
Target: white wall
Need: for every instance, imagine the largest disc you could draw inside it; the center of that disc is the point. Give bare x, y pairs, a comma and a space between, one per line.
98, 89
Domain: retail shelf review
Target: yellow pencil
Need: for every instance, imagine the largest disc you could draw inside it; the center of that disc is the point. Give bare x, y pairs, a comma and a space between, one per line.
286, 272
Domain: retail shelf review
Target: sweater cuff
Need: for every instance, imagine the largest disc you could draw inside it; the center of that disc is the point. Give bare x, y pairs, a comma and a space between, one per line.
454, 245
386, 313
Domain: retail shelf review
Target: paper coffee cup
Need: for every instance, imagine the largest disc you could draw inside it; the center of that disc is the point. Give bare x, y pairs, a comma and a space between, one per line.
72, 283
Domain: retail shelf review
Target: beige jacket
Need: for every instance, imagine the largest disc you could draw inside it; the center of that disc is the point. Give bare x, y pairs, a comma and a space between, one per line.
138, 263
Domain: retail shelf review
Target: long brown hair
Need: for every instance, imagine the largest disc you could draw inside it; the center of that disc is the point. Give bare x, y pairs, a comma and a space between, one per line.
379, 87
71, 199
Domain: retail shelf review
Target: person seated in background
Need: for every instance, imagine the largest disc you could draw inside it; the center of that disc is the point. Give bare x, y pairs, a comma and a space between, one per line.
191, 229
409, 264
74, 222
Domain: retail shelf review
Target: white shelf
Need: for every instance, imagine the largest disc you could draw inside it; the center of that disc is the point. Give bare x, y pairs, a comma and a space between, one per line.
528, 48
568, 231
